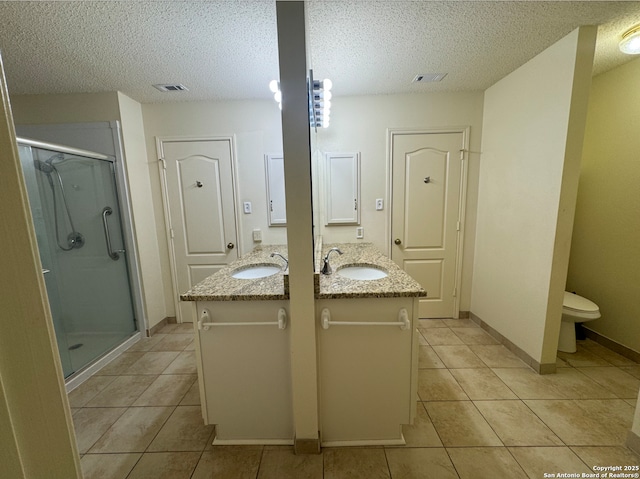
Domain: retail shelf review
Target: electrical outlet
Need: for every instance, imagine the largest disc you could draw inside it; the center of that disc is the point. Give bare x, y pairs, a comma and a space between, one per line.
257, 235
247, 207
379, 204
359, 232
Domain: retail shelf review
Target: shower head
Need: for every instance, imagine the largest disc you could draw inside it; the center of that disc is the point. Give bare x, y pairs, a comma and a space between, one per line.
44, 166
47, 165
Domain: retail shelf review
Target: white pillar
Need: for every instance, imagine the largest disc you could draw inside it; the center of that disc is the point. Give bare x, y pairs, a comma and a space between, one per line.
297, 173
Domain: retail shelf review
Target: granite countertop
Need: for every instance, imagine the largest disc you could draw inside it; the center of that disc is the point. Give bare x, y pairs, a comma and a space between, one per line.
396, 284
221, 286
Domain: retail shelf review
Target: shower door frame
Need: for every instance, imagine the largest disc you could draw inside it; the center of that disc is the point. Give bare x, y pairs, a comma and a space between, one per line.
130, 244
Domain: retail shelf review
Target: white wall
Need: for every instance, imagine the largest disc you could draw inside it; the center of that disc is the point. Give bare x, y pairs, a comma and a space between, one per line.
605, 249
142, 204
256, 127
531, 145
36, 429
358, 124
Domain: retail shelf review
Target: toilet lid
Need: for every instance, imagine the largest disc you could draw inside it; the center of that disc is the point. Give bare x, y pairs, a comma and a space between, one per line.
578, 303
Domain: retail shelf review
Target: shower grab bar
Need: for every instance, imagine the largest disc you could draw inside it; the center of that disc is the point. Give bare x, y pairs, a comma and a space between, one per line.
112, 254
403, 321
204, 316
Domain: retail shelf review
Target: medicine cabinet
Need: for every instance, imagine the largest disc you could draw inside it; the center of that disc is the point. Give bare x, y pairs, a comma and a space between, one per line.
342, 188
274, 166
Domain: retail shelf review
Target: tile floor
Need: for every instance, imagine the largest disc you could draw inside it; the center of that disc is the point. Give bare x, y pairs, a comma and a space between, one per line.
482, 414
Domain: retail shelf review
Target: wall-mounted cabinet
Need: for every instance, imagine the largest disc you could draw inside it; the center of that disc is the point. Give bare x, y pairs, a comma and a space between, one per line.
274, 167
342, 188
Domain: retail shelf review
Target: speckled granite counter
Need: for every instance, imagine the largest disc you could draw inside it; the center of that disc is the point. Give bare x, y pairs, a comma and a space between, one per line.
396, 284
221, 286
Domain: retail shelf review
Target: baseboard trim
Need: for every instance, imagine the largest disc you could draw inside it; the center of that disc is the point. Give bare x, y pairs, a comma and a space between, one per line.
540, 368
614, 346
306, 446
463, 314
81, 376
633, 442
161, 324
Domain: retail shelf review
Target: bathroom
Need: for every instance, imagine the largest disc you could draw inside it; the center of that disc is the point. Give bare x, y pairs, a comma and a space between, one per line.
252, 122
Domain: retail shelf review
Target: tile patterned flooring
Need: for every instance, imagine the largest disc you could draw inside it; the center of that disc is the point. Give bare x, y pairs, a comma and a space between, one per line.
482, 414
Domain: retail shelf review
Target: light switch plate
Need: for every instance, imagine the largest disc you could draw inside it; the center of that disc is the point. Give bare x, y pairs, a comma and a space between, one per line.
359, 232
379, 204
247, 207
257, 235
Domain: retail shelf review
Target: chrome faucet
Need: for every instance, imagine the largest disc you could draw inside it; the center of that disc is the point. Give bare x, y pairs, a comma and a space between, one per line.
326, 267
286, 261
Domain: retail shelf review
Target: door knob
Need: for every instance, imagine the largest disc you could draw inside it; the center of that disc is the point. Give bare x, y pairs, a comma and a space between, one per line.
398, 241
230, 245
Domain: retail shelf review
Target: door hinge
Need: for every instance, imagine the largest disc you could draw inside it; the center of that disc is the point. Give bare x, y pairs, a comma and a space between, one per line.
163, 163
458, 226
455, 291
171, 233
462, 154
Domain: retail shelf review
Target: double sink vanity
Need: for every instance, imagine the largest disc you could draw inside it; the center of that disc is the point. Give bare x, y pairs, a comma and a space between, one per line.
366, 316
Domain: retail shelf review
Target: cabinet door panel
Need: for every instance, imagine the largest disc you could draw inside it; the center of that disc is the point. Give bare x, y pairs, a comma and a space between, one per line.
342, 179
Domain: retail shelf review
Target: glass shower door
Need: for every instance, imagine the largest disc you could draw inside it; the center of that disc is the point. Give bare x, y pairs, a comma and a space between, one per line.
77, 219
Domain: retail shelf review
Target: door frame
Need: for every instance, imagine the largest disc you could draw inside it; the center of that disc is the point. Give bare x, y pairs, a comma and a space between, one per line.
464, 157
168, 227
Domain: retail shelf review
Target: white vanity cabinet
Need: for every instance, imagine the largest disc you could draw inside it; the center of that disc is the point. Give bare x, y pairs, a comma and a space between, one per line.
367, 369
244, 370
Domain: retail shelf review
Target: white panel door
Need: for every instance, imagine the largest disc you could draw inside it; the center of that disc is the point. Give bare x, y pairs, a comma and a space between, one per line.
200, 207
427, 174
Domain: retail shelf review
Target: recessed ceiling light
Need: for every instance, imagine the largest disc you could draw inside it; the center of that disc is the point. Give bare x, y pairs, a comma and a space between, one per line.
171, 87
630, 42
428, 77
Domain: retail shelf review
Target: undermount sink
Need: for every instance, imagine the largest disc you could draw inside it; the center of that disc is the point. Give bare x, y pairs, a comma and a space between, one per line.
255, 272
363, 273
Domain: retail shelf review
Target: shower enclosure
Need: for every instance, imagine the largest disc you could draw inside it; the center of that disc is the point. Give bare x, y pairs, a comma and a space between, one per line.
76, 213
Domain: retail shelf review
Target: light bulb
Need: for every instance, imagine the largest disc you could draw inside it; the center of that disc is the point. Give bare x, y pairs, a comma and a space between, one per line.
277, 96
327, 95
327, 84
274, 86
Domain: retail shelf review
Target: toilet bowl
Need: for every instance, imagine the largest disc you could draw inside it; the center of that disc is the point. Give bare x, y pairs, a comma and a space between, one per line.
575, 309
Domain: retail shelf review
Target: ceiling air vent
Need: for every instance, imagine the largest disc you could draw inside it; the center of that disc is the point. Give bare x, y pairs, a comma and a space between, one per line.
428, 77
171, 87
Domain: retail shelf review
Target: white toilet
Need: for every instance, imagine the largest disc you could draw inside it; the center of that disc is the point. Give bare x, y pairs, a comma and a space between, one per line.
575, 309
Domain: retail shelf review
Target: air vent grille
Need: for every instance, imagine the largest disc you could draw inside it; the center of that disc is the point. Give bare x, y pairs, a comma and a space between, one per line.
429, 77
171, 87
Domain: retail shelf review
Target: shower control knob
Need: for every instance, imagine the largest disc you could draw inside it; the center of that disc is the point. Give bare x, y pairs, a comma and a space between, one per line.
398, 241
231, 246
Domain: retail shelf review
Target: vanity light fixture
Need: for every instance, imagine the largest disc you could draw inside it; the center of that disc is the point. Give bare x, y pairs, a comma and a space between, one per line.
319, 102
274, 86
630, 43
319, 99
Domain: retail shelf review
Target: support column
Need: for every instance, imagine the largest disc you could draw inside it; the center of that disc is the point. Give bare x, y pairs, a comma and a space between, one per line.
297, 174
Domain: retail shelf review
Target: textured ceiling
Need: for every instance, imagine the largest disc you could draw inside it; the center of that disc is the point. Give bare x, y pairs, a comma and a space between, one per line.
228, 49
